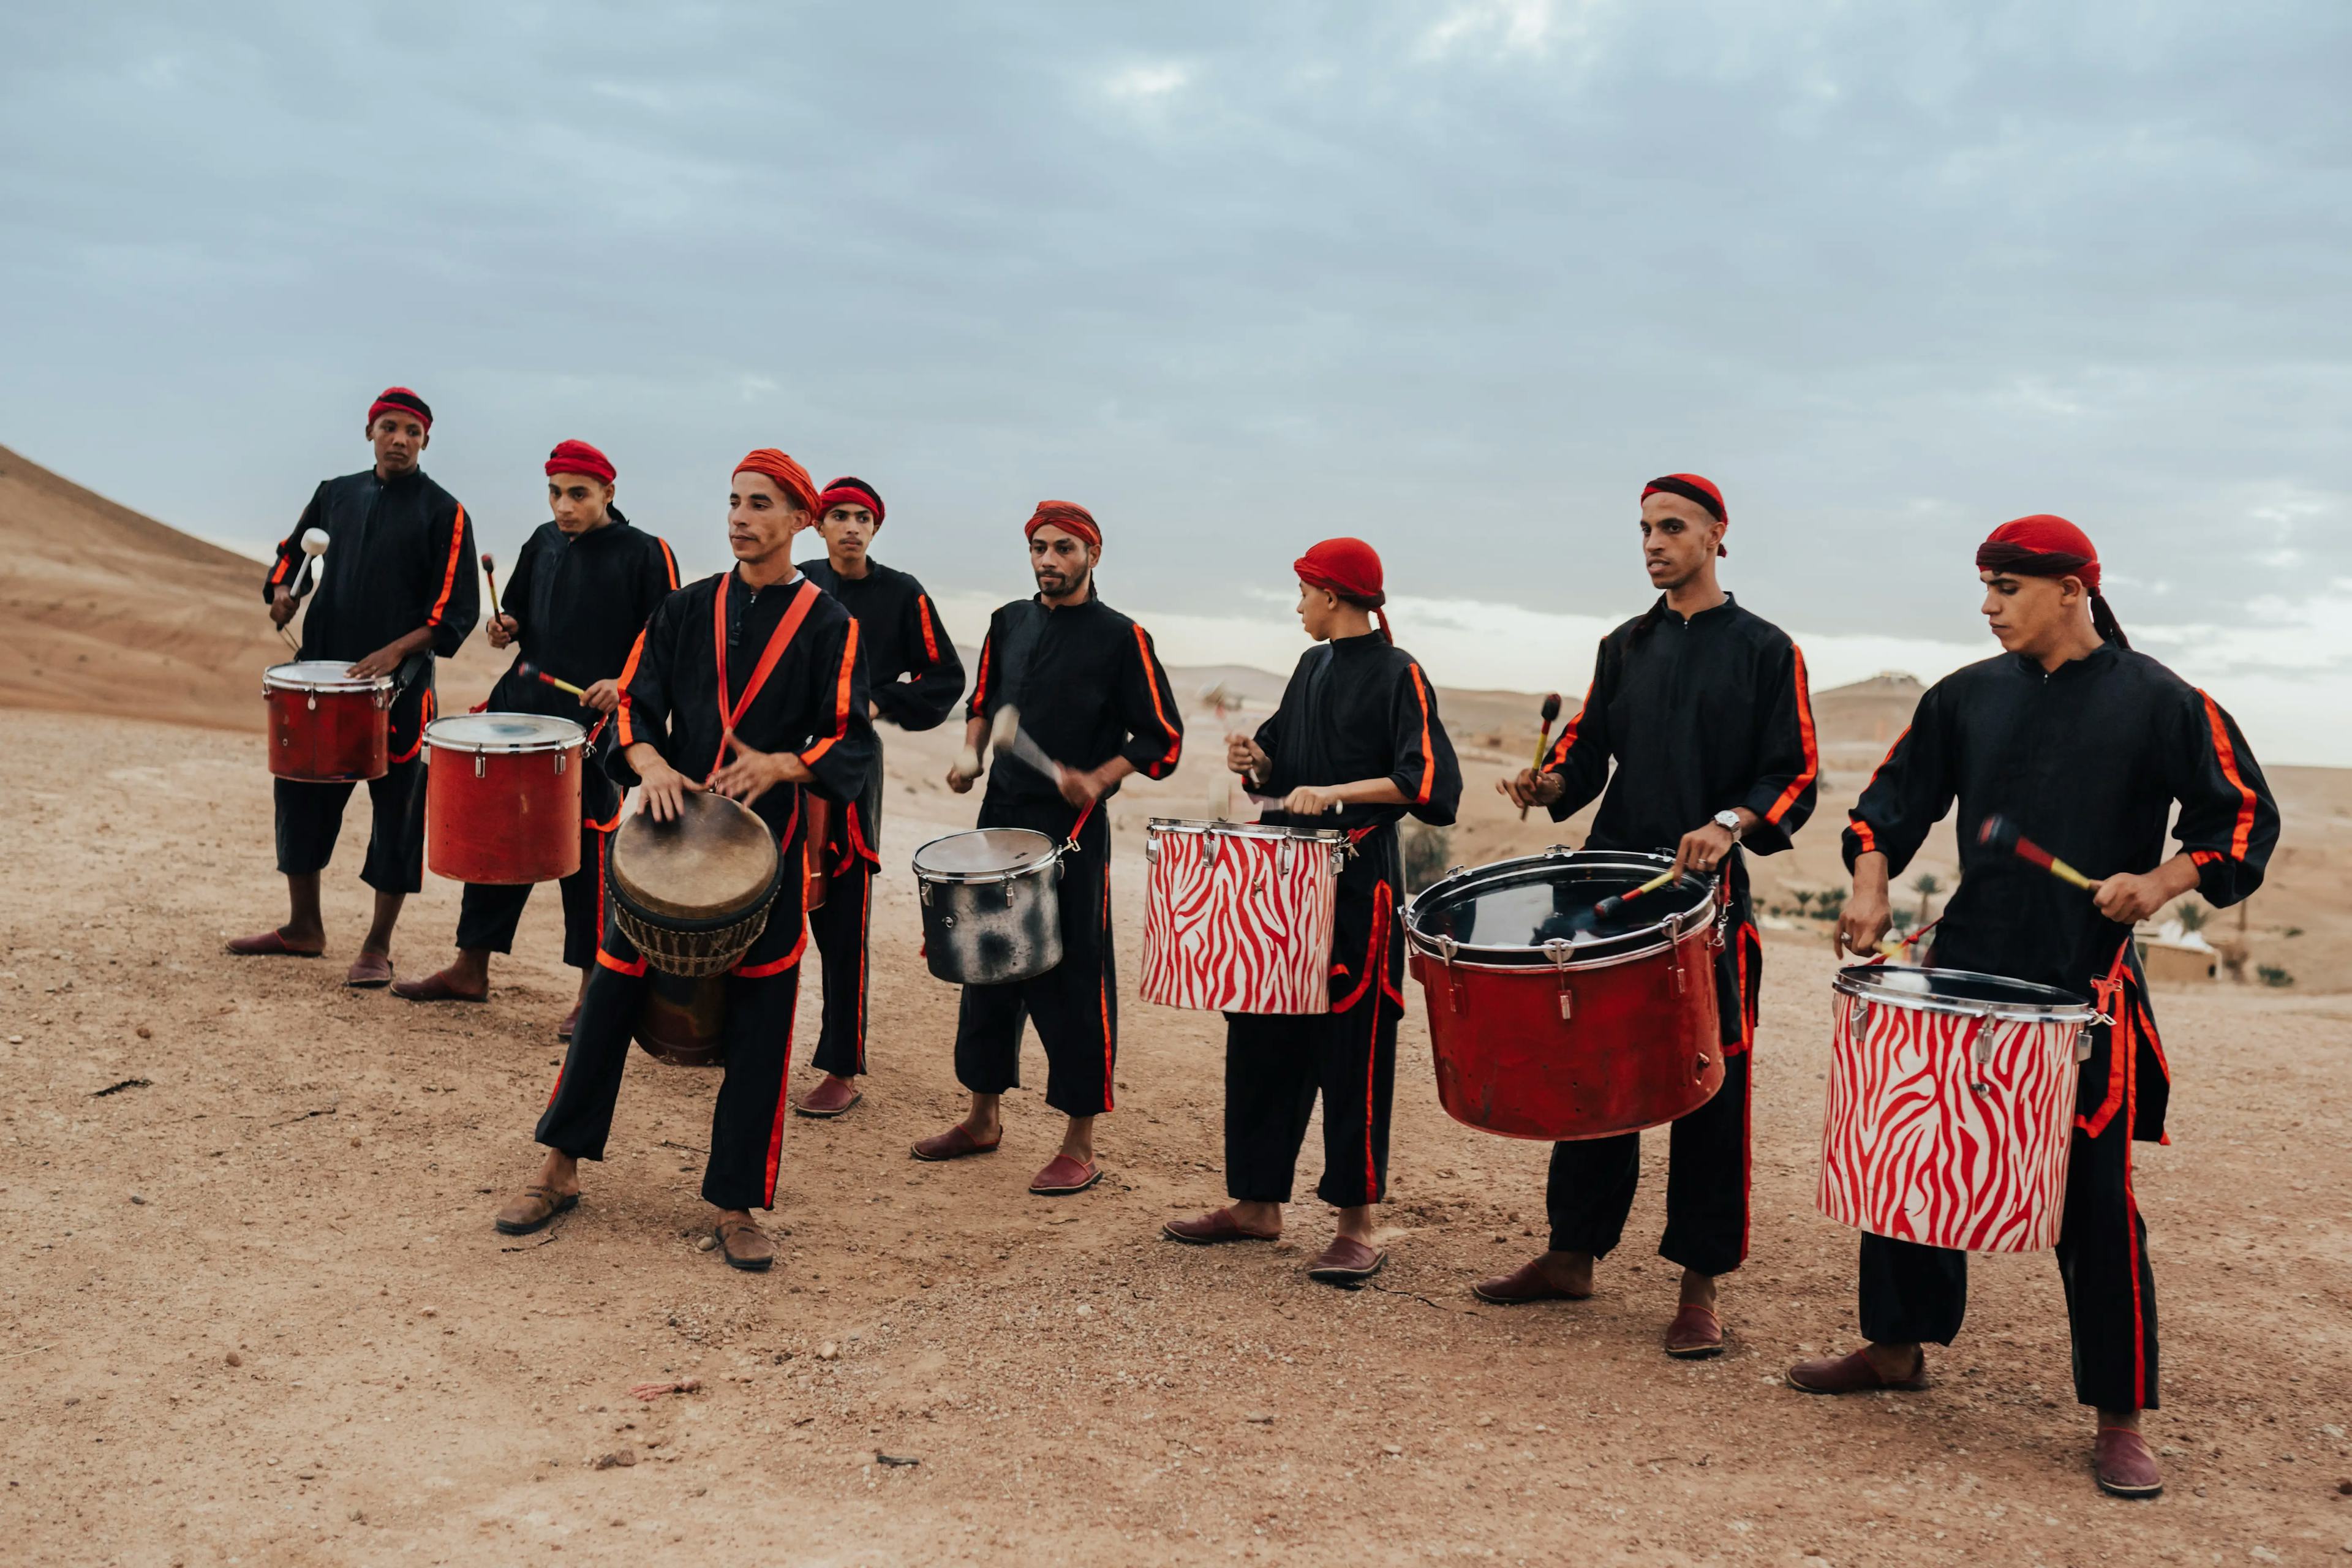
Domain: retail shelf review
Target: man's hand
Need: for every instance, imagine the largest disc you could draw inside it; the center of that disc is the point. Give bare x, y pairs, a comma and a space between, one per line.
502, 631
960, 783
754, 774
1704, 849
604, 697
1243, 755
1081, 788
2127, 899
1866, 918
1311, 800
664, 788
281, 607
1528, 787
383, 662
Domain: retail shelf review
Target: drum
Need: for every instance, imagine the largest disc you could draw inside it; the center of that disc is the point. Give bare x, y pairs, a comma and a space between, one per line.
693, 893
1547, 1026
991, 909
819, 824
327, 725
1951, 1107
1238, 917
502, 797
682, 1021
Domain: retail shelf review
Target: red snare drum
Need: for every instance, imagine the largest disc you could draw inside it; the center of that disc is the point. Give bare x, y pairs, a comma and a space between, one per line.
1545, 1026
326, 725
502, 797
1238, 917
1951, 1107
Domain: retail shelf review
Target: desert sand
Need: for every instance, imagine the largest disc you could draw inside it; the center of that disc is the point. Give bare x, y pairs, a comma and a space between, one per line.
255, 1312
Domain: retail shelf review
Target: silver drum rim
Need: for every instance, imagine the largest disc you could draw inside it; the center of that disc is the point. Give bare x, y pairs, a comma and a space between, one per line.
2054, 1006
1668, 933
576, 738
1248, 830
1050, 855
274, 678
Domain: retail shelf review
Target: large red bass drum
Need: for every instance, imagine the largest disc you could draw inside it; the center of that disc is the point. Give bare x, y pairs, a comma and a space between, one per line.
1547, 1023
502, 797
326, 724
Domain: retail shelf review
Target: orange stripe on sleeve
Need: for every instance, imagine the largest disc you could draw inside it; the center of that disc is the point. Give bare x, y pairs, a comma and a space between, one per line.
1797, 786
1152, 683
449, 576
930, 638
840, 699
669, 560
1428, 762
1863, 835
624, 731
979, 682
1558, 755
2227, 756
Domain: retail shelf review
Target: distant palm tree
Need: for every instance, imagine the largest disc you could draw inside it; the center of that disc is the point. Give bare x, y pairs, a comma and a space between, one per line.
2191, 914
1803, 896
1927, 887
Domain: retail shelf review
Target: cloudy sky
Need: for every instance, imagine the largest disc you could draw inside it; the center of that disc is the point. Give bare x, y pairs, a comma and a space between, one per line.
1456, 277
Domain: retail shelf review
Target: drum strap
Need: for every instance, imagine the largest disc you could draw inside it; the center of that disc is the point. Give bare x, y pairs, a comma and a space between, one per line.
778, 640
1070, 842
2113, 999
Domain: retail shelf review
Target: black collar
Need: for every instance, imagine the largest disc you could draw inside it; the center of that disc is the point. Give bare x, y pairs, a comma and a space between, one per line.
1658, 615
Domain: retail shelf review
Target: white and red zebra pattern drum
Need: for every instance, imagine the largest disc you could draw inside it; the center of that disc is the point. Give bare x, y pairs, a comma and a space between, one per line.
1951, 1107
1238, 917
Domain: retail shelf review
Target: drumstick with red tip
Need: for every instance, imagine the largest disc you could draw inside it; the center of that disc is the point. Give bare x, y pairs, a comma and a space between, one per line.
1615, 903
490, 576
530, 672
1543, 741
2000, 833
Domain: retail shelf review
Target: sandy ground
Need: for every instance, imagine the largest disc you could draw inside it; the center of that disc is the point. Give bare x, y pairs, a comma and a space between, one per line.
256, 1311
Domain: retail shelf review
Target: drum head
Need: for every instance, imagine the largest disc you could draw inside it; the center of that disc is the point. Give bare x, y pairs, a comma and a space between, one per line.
989, 855
321, 675
502, 732
1506, 913
1244, 829
1962, 991
716, 862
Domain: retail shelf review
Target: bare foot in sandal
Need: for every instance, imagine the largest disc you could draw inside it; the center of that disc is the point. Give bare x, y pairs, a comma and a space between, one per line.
557, 1191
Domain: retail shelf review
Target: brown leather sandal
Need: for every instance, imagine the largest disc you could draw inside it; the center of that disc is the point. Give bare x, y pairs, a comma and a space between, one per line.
534, 1209
744, 1244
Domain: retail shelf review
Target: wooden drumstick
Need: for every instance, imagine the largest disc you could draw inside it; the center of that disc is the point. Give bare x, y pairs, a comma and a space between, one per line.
1616, 901
2000, 833
1543, 741
1005, 734
490, 576
530, 672
314, 545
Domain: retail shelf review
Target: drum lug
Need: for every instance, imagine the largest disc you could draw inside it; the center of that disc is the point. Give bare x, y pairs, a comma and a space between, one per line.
1283, 854
1558, 951
1007, 887
923, 889
1699, 1071
310, 703
560, 759
481, 763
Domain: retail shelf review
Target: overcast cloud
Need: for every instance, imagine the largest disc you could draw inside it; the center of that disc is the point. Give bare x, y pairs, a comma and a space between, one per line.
1453, 277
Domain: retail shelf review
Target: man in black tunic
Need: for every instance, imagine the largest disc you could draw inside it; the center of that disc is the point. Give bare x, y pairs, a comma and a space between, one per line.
1092, 695
579, 592
916, 677
749, 684
1703, 707
395, 591
2086, 746
1357, 745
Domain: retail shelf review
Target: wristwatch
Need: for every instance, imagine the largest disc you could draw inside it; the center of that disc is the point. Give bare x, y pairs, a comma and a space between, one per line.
1729, 822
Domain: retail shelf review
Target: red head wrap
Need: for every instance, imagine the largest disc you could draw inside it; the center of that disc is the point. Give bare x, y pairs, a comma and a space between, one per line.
400, 400
1066, 515
790, 477
1693, 488
2047, 546
846, 491
1350, 568
579, 458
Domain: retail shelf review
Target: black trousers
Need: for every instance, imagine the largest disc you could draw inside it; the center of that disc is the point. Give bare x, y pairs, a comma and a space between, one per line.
490, 911
1911, 1292
1275, 1065
1590, 1190
747, 1124
311, 818
842, 926
1074, 1005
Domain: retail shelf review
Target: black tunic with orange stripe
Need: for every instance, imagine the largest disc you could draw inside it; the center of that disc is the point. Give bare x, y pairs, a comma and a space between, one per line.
1699, 715
400, 556
1089, 689
2088, 760
914, 669
798, 689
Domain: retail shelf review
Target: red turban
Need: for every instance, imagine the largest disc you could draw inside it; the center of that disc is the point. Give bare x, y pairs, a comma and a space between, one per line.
579, 458
1350, 568
400, 400
1066, 515
2047, 546
790, 477
1693, 488
846, 491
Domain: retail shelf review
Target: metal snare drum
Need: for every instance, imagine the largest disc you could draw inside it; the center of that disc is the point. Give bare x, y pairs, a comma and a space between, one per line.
991, 905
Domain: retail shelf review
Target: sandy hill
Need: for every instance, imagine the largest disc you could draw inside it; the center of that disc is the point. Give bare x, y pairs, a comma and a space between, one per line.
109, 612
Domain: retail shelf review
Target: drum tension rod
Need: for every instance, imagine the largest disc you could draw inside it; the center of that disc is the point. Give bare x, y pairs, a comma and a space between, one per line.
1558, 951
